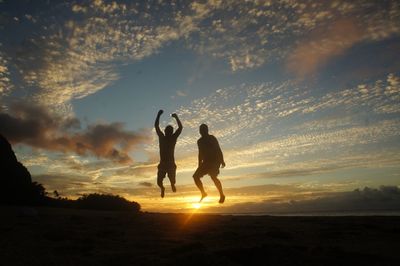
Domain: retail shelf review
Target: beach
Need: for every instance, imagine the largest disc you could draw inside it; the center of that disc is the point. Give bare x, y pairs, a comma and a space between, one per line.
55, 236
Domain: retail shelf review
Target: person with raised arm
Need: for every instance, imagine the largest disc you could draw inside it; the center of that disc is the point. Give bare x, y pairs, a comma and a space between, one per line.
167, 141
209, 161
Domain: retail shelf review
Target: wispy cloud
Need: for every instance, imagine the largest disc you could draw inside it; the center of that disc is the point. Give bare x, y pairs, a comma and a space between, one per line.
255, 32
337, 34
310, 55
146, 184
274, 125
5, 83
77, 56
268, 129
285, 168
261, 109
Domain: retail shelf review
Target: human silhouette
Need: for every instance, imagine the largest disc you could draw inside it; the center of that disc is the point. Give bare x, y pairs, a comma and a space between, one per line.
210, 160
167, 143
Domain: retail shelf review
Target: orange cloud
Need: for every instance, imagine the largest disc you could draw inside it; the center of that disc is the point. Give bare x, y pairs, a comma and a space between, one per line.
322, 45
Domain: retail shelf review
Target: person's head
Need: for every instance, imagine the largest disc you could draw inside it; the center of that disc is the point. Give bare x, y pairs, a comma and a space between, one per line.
203, 130
169, 130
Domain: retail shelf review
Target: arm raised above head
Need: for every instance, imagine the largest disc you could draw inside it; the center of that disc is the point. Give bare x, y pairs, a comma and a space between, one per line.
157, 123
180, 127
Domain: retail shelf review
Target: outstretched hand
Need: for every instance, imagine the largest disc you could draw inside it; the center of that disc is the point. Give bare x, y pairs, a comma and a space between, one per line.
160, 112
174, 115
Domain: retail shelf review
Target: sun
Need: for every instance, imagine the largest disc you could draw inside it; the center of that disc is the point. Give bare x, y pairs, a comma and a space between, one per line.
196, 206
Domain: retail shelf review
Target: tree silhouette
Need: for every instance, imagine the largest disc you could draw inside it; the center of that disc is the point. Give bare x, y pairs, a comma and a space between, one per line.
106, 202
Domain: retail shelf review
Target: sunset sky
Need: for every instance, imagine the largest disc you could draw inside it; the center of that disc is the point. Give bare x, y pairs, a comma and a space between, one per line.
303, 96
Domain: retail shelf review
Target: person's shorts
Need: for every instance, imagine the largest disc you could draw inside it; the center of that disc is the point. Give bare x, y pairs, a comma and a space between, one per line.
207, 169
167, 169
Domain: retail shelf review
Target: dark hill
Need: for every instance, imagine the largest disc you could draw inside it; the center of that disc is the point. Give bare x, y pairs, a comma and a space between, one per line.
16, 182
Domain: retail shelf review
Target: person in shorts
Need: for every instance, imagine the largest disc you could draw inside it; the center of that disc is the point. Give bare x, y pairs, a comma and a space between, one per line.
210, 160
167, 141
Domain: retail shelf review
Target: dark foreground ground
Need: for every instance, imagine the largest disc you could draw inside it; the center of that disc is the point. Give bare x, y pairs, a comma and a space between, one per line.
45, 236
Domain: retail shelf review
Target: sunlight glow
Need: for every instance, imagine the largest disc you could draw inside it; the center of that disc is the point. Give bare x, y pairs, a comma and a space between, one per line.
196, 205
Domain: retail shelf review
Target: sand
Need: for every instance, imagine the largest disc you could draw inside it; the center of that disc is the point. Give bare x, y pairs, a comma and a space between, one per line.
47, 236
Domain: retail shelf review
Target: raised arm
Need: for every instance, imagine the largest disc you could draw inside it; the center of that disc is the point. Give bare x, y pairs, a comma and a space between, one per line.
157, 123
180, 127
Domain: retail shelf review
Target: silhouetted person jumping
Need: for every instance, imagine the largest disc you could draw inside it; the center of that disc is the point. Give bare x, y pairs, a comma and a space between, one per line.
210, 160
167, 147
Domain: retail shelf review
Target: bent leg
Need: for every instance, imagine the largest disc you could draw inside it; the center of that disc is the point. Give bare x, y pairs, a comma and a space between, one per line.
219, 187
160, 178
172, 179
199, 184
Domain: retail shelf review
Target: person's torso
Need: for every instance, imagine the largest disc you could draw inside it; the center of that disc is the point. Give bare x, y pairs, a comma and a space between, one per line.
167, 148
208, 146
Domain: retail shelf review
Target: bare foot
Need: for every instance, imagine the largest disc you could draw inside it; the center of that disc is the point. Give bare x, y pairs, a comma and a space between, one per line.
203, 195
222, 199
173, 188
162, 192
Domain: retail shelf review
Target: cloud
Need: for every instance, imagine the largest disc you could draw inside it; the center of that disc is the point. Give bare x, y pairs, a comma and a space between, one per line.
321, 46
145, 184
73, 185
262, 109
61, 60
253, 33
339, 33
181, 93
66, 184
78, 56
317, 167
35, 126
5, 84
268, 128
64, 59
272, 130
385, 198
